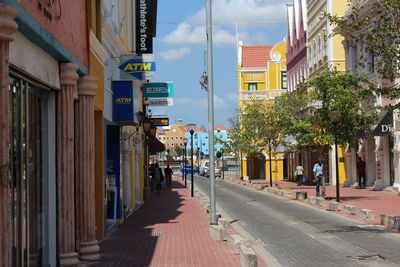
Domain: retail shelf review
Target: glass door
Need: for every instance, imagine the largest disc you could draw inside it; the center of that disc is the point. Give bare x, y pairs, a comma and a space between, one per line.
26, 179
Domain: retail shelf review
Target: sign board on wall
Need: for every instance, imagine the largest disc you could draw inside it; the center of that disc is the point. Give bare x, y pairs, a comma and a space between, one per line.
146, 19
159, 101
125, 102
160, 121
158, 90
137, 66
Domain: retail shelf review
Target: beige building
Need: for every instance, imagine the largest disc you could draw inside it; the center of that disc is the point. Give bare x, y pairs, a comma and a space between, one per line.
173, 137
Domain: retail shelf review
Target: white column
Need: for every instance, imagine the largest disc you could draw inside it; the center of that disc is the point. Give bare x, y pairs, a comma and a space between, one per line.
137, 178
351, 166
382, 163
396, 149
370, 160
126, 173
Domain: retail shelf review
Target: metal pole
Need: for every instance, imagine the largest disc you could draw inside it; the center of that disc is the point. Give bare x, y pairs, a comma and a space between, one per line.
183, 157
223, 167
270, 169
184, 168
191, 167
337, 170
210, 85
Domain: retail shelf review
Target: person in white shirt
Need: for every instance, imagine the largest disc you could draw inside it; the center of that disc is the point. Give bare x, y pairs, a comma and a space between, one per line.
318, 173
299, 170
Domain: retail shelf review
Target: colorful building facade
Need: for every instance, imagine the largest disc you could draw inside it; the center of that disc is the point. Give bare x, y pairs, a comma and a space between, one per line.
324, 53
261, 77
381, 149
60, 143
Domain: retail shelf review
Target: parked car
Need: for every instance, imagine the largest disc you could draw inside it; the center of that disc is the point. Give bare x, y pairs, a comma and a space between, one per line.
205, 169
188, 168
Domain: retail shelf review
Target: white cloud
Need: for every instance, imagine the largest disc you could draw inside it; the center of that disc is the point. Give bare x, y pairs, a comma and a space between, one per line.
188, 34
175, 54
244, 11
228, 12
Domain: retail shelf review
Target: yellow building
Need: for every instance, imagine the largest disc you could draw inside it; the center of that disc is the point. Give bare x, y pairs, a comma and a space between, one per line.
261, 77
324, 53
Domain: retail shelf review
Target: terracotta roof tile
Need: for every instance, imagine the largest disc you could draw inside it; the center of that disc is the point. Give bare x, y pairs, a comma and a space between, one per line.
199, 130
219, 127
255, 56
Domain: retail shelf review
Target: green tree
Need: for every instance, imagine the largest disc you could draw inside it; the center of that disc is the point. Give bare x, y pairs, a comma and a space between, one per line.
258, 128
348, 93
376, 26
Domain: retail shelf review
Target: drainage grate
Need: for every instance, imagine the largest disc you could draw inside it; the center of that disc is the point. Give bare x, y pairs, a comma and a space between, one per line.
367, 258
150, 233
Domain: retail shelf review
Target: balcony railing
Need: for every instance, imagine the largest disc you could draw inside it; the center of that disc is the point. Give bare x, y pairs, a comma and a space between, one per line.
259, 94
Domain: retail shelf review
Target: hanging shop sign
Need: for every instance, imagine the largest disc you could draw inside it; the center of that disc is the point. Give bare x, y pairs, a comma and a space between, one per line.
160, 121
137, 66
125, 102
159, 101
385, 124
146, 20
158, 89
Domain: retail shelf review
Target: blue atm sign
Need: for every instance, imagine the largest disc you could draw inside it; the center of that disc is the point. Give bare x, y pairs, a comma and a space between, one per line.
136, 67
124, 102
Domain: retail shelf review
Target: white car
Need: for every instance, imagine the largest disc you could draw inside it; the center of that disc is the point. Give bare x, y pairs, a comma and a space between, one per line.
205, 169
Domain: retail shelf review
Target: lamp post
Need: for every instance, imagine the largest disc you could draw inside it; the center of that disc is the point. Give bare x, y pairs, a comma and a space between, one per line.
335, 117
149, 130
191, 128
183, 156
223, 164
184, 162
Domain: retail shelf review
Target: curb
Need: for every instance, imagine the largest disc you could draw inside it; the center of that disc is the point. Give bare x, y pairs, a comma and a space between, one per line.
239, 242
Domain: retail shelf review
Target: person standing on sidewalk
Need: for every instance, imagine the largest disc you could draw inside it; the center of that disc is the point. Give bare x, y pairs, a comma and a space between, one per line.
158, 177
318, 174
168, 175
361, 172
299, 170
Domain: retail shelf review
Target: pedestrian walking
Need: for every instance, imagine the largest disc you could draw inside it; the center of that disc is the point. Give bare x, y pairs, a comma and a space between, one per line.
318, 174
299, 170
158, 177
168, 176
361, 172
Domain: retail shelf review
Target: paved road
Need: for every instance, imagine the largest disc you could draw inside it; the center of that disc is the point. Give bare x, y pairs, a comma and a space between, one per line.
299, 235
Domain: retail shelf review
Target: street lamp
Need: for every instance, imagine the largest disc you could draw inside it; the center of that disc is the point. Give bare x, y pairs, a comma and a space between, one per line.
147, 125
184, 161
335, 118
191, 128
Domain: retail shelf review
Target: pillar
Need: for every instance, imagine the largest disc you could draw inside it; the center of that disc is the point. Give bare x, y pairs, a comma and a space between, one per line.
7, 27
65, 165
126, 173
86, 242
396, 149
351, 166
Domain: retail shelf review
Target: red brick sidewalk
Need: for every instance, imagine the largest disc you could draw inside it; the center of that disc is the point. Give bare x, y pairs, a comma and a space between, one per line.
182, 227
381, 202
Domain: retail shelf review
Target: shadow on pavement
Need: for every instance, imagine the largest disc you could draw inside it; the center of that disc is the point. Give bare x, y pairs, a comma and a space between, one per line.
133, 243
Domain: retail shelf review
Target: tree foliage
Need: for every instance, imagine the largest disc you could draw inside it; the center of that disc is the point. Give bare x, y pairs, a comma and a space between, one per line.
375, 26
348, 93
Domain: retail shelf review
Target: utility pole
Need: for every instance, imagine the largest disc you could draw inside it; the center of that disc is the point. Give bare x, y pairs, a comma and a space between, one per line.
213, 217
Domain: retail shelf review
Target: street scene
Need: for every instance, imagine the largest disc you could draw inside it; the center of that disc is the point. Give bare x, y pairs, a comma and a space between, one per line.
199, 133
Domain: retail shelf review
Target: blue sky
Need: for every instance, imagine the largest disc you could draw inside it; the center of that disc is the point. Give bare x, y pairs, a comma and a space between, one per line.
181, 41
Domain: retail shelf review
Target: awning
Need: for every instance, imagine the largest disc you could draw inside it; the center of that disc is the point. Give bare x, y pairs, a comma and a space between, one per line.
155, 146
384, 124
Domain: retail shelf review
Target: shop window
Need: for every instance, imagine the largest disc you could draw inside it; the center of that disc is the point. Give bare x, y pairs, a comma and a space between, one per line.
283, 80
252, 86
